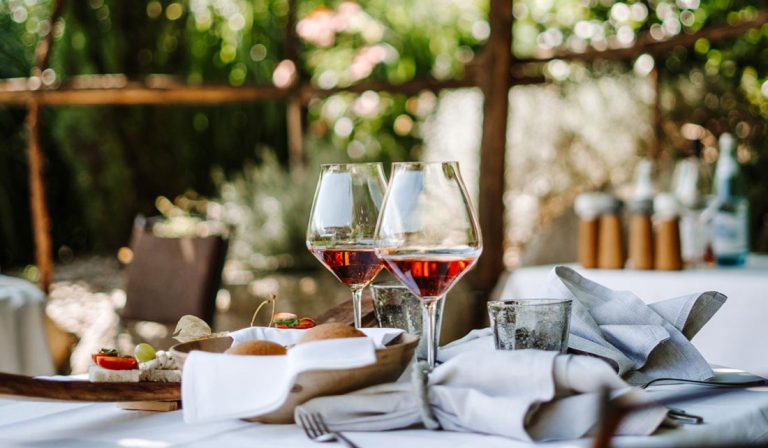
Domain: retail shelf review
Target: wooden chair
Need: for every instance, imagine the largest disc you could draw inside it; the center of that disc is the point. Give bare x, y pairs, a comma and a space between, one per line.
170, 277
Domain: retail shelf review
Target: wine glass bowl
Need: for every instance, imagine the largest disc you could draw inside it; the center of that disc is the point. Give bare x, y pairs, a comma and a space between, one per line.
427, 233
342, 224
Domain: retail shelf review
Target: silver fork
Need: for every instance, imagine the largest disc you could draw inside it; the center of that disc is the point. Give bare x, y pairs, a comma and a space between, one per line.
316, 429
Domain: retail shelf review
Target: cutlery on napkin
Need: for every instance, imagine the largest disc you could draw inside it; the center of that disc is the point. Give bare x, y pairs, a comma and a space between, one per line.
528, 395
216, 386
642, 342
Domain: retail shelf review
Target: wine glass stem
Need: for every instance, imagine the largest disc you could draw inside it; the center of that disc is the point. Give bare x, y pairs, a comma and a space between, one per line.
429, 309
357, 306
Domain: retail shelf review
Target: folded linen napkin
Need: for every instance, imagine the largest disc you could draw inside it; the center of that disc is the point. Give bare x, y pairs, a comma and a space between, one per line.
528, 395
216, 386
642, 342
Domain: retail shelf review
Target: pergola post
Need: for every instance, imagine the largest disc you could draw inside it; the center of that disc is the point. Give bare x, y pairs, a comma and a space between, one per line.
654, 151
495, 82
41, 222
294, 109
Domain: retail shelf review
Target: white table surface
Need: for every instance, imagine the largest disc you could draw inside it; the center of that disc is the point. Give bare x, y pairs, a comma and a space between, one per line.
23, 343
67, 424
734, 337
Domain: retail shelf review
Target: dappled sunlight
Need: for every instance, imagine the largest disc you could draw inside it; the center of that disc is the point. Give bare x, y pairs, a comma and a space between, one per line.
89, 308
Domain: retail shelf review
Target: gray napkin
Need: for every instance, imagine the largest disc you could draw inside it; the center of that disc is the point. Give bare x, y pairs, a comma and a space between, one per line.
528, 395
642, 342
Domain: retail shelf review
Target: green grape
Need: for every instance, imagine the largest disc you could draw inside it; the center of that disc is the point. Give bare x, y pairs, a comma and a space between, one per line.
144, 352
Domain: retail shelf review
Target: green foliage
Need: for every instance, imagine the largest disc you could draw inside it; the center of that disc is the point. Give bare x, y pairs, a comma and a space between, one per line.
396, 40
107, 163
268, 210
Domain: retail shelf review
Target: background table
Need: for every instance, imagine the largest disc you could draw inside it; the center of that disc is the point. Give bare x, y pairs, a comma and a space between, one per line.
23, 344
741, 415
735, 336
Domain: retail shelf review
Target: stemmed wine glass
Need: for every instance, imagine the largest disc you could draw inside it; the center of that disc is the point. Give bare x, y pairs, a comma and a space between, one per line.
342, 224
427, 234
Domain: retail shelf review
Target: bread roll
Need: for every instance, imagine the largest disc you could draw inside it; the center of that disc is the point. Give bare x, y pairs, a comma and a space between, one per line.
330, 331
258, 348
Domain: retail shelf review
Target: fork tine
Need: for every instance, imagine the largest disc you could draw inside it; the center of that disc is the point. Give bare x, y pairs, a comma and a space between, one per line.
319, 422
305, 424
318, 419
318, 431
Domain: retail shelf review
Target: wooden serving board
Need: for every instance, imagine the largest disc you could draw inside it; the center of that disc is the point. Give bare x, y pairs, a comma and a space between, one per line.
27, 386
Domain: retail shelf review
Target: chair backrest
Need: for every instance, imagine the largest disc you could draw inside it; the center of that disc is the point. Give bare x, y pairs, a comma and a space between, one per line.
170, 277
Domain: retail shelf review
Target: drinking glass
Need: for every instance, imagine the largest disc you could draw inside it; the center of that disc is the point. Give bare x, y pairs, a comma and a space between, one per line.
342, 224
541, 324
427, 234
397, 307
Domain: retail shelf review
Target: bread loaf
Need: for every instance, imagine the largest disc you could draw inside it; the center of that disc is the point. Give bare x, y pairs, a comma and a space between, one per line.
330, 331
258, 348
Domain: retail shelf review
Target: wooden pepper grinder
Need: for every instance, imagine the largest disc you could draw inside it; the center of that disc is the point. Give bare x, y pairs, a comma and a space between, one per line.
640, 222
587, 207
667, 215
610, 242
641, 234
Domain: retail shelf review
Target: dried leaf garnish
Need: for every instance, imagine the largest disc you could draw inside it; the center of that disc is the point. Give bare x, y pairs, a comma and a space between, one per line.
191, 328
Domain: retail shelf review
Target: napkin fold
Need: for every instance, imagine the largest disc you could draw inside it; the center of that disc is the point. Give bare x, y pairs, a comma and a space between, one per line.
642, 342
528, 395
217, 386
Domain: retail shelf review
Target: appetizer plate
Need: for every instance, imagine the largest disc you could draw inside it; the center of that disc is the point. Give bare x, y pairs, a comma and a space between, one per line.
391, 361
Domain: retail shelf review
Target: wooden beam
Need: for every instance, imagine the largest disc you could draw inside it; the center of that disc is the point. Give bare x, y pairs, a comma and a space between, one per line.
411, 87
136, 95
495, 84
645, 43
15, 92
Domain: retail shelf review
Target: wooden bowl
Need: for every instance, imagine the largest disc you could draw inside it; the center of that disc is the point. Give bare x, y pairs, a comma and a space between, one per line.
391, 361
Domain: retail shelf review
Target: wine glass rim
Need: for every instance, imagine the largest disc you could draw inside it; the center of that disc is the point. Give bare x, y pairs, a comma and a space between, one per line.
344, 165
533, 301
390, 284
417, 163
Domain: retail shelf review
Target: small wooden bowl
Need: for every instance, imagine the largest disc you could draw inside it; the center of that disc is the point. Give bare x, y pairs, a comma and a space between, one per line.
391, 361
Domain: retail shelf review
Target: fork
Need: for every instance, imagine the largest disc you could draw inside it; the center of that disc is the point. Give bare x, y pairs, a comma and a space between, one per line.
316, 429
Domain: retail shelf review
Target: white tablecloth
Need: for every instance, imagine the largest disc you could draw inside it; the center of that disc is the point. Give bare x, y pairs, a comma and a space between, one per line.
76, 425
735, 336
23, 344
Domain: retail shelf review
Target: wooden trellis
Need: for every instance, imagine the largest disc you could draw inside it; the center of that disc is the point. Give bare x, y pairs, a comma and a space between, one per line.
495, 71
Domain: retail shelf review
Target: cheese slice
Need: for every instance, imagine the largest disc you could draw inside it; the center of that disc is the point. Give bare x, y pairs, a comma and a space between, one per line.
99, 374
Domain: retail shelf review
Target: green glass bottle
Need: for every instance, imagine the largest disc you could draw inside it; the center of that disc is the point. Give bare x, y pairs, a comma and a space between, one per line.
730, 223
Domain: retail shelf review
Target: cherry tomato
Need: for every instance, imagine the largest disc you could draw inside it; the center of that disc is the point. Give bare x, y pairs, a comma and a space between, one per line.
305, 322
117, 362
104, 352
295, 323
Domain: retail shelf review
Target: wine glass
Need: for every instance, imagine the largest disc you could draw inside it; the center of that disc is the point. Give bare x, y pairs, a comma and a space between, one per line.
427, 234
342, 224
